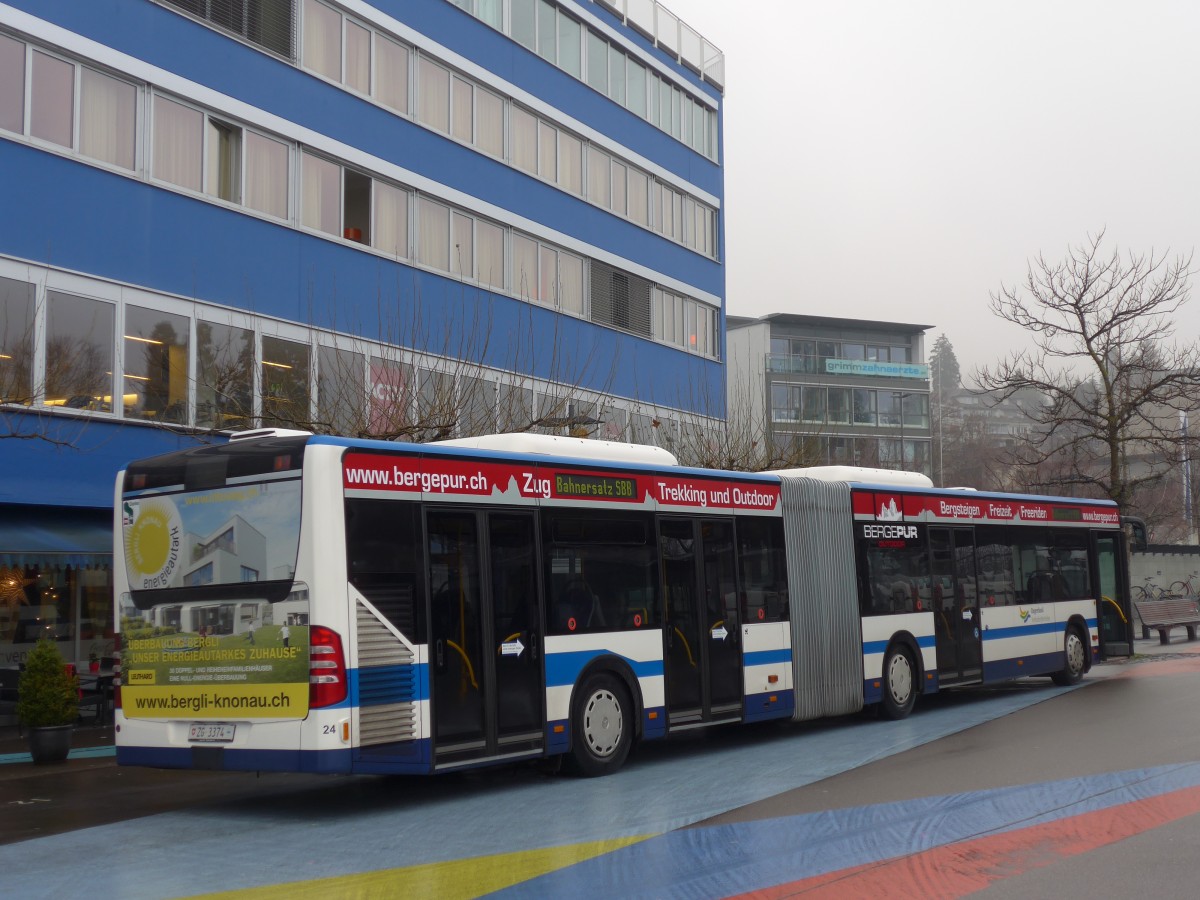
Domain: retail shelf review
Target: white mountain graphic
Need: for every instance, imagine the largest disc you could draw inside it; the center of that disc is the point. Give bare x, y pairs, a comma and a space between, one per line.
890, 512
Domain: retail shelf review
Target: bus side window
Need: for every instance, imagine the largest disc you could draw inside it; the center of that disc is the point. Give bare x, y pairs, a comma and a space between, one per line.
762, 568
600, 571
382, 539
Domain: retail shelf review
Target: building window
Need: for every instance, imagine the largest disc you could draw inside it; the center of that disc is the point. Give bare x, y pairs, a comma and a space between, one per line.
156, 365
570, 50
391, 74
597, 62
341, 389
16, 341
267, 23
864, 406
462, 259
523, 17
524, 140
356, 206
224, 376
391, 220
547, 33
548, 275
547, 152
489, 243
285, 386
462, 110
107, 119
224, 161
358, 58
599, 175
322, 40
839, 406
12, 85
321, 200
267, 175
79, 352
570, 163
637, 88
433, 235
489, 123
619, 203
177, 143
638, 199
433, 96
52, 100
525, 267
616, 75
388, 403
570, 283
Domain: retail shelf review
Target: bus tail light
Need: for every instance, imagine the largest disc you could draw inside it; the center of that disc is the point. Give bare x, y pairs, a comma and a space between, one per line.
326, 667
116, 682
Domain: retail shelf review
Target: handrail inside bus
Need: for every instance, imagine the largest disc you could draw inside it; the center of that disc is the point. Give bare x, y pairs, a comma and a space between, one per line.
1120, 612
466, 662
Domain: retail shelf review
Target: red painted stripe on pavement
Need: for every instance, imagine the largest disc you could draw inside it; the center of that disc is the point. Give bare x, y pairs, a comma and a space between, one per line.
1188, 665
955, 870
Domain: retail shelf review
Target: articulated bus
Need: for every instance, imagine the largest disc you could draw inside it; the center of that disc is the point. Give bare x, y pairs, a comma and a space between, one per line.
303, 603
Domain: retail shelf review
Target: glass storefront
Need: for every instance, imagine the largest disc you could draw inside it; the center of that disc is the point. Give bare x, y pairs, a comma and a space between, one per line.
55, 582
71, 605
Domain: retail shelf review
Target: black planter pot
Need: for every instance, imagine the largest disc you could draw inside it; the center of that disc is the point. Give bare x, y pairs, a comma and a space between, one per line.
50, 743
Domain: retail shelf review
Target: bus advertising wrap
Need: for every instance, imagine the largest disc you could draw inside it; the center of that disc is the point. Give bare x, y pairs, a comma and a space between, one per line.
234, 655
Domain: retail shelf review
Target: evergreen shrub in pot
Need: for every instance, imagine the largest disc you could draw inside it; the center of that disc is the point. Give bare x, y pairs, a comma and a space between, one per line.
47, 702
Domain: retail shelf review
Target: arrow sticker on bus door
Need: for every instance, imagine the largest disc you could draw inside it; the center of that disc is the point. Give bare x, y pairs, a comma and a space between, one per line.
719, 633
512, 648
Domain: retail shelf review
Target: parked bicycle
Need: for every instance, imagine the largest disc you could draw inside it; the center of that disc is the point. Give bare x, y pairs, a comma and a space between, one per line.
1149, 591
1186, 587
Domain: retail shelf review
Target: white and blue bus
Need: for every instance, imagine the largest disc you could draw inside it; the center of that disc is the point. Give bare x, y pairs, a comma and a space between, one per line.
319, 604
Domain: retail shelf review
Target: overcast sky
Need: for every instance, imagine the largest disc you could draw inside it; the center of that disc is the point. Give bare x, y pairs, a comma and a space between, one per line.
900, 160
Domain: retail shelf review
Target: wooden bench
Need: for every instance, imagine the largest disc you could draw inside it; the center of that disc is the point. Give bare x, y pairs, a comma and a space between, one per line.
1163, 615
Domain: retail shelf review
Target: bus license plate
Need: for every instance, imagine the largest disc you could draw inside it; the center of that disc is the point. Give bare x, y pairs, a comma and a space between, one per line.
211, 733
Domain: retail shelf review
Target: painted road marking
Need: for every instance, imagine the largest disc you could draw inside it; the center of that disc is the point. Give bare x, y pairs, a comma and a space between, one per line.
778, 857
457, 880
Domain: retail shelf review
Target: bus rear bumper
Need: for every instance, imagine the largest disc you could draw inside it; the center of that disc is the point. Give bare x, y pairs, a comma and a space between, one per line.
226, 759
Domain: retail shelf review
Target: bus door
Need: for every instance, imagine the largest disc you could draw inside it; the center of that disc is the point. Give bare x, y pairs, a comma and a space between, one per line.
956, 605
701, 631
1113, 609
485, 648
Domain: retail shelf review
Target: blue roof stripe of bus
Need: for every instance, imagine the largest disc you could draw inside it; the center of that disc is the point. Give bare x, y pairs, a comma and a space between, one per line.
766, 657
881, 646
562, 669
997, 634
537, 459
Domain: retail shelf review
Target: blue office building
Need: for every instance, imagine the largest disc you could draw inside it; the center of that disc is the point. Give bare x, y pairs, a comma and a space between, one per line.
403, 218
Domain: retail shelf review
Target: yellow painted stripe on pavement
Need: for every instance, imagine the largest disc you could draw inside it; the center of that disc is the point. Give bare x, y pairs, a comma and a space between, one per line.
460, 879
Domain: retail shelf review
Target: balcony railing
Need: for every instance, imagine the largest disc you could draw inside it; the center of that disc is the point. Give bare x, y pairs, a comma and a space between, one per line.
673, 35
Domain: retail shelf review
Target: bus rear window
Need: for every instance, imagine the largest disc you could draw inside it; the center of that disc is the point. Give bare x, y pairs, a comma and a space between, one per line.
191, 540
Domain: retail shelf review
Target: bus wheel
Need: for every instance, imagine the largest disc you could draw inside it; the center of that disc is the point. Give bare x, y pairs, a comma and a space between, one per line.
602, 726
1074, 660
899, 683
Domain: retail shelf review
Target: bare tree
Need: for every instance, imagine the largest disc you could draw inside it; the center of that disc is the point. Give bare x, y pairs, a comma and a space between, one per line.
1104, 356
455, 374
743, 438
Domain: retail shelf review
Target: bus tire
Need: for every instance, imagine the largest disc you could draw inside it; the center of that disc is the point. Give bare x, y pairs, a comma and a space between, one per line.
1074, 659
899, 683
601, 726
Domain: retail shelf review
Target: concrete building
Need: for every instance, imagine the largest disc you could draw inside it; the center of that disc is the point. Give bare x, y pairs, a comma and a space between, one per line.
836, 391
405, 218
